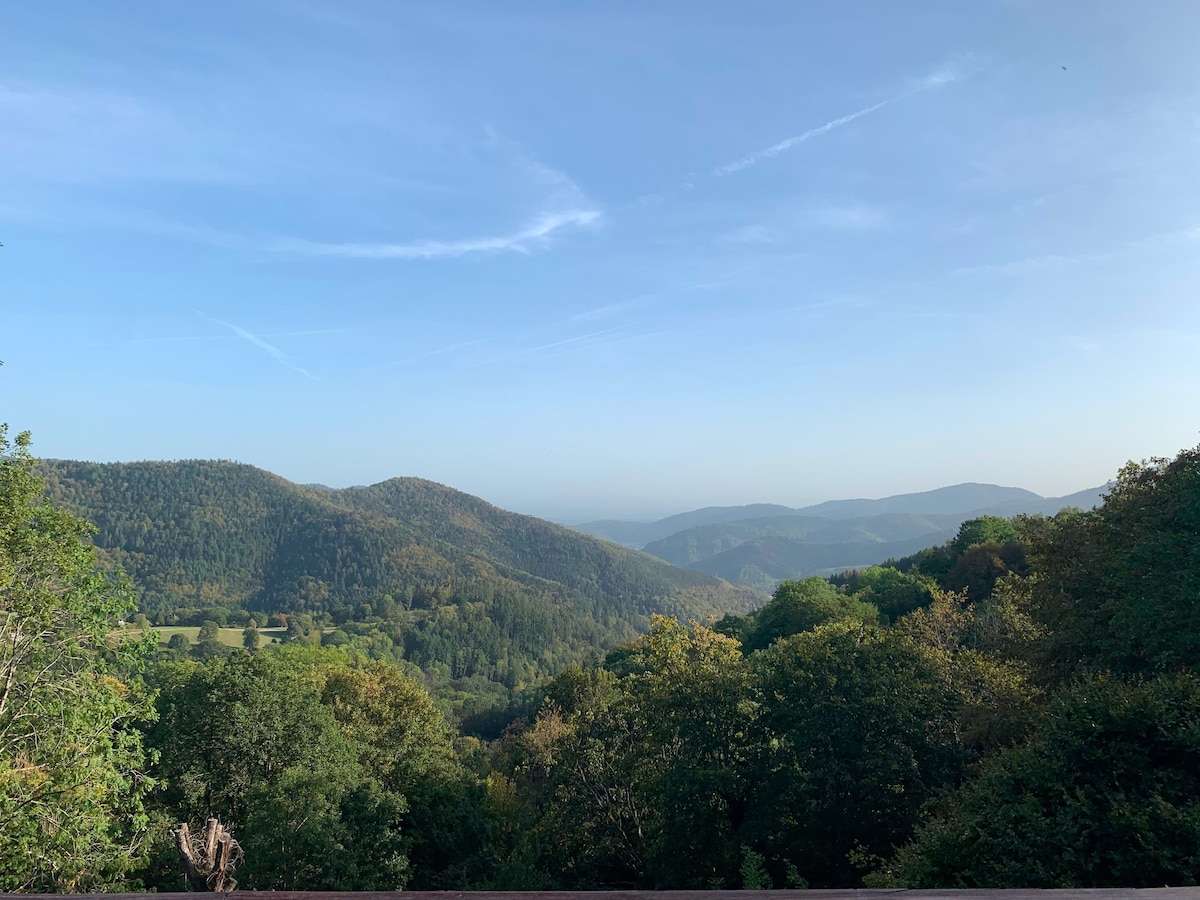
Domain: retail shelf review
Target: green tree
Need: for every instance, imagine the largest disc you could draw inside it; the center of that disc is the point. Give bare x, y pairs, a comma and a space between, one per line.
1105, 794
856, 733
404, 742
248, 740
645, 776
892, 592
1116, 587
179, 645
983, 530
250, 637
71, 760
801, 606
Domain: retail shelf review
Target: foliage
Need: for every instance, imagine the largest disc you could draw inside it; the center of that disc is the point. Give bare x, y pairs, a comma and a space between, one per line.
72, 765
858, 733
1117, 587
638, 779
983, 530
795, 607
892, 592
485, 602
1014, 708
248, 740
1105, 794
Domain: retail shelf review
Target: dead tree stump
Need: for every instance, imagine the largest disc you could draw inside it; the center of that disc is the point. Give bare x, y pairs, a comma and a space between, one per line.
209, 859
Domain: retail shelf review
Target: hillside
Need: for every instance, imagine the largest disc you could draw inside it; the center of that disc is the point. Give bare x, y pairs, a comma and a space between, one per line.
761, 552
965, 500
764, 562
432, 575
638, 534
698, 544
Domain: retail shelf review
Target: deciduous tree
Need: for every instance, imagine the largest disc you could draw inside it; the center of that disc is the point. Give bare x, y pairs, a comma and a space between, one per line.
71, 759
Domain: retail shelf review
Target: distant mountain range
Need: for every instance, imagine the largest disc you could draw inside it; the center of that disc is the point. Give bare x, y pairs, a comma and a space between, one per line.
761, 544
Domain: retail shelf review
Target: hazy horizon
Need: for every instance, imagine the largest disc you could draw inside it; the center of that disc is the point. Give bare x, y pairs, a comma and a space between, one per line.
578, 514
605, 260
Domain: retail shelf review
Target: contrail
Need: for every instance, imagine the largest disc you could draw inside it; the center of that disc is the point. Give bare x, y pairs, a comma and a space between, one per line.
939, 78
278, 355
520, 241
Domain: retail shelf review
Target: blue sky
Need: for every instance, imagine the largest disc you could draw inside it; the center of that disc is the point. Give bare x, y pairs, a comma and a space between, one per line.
605, 258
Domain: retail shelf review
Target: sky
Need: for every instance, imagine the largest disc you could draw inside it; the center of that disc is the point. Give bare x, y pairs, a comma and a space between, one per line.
605, 259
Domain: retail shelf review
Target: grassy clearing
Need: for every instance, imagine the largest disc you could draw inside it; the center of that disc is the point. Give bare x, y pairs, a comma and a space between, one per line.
230, 637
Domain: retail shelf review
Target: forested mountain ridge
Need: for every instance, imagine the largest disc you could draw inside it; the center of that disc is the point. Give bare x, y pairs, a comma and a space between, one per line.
528, 544
228, 533
406, 570
766, 561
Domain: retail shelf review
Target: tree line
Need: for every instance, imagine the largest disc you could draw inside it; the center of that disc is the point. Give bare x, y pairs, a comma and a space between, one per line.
1016, 708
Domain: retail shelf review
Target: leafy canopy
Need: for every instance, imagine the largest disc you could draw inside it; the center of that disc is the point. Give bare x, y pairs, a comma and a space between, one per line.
71, 760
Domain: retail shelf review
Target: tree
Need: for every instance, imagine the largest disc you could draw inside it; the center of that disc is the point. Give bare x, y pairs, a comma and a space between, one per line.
1117, 586
72, 765
645, 772
856, 734
247, 739
892, 592
405, 744
1105, 794
983, 530
250, 637
179, 645
800, 606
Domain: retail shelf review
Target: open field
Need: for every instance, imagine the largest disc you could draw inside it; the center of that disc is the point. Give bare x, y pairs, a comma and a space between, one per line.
230, 637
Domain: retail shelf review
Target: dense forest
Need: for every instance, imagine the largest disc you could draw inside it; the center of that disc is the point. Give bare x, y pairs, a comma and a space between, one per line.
483, 603
1016, 707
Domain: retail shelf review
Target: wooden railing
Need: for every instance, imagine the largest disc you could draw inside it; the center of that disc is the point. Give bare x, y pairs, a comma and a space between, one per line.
1173, 893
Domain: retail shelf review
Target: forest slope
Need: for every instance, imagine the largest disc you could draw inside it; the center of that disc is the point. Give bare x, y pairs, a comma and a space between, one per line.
429, 574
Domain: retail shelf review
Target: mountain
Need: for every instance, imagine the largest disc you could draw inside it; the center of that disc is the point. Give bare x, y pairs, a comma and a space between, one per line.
431, 574
1046, 506
954, 499
761, 552
639, 534
764, 562
959, 498
696, 544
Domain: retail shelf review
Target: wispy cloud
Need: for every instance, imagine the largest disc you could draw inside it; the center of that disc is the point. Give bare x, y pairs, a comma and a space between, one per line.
574, 343
315, 332
278, 355
533, 235
749, 234
590, 337
1159, 241
562, 206
941, 77
845, 218
449, 348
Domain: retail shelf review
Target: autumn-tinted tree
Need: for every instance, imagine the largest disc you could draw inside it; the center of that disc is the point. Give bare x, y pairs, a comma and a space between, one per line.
72, 766
403, 741
248, 740
645, 771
